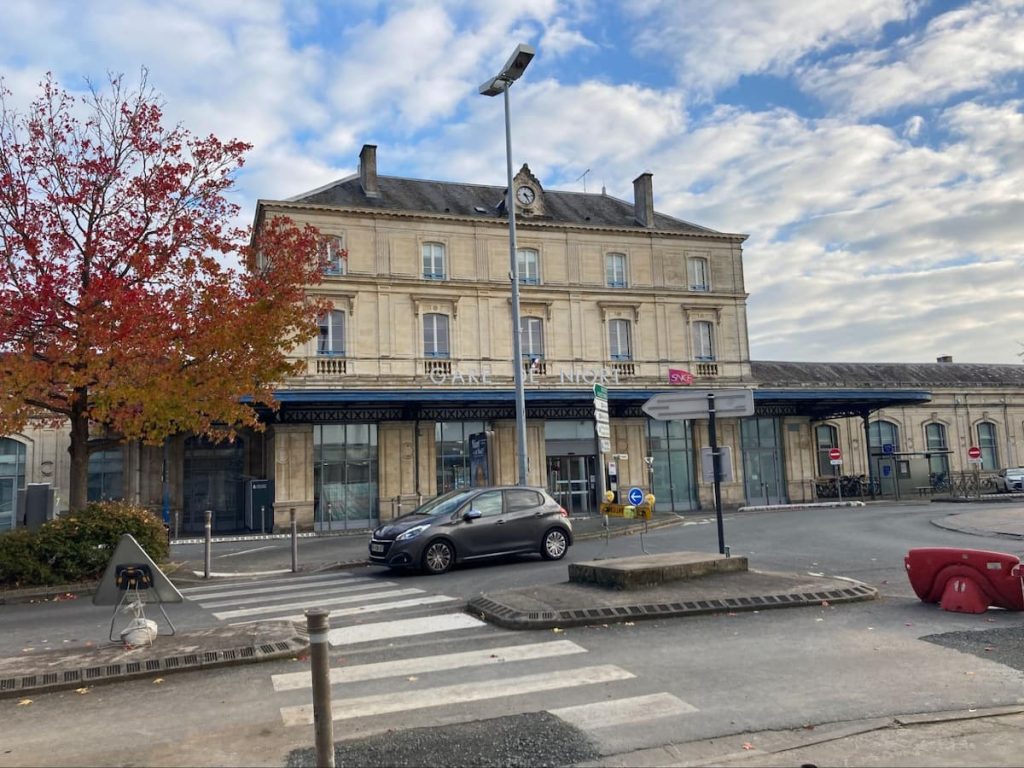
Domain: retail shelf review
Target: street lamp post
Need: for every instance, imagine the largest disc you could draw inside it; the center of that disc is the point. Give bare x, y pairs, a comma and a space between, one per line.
512, 71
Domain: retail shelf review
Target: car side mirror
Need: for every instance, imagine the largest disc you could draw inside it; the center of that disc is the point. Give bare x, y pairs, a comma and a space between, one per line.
472, 514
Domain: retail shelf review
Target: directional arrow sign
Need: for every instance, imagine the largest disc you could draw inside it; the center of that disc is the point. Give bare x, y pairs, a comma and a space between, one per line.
601, 417
603, 430
600, 405
693, 404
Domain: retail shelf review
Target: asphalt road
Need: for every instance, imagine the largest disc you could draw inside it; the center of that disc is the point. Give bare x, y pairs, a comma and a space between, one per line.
726, 674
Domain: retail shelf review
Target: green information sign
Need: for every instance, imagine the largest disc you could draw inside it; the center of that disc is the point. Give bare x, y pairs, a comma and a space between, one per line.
601, 391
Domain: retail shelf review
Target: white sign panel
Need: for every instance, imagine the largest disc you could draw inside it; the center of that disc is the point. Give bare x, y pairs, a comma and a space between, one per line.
603, 430
601, 417
693, 404
606, 445
600, 404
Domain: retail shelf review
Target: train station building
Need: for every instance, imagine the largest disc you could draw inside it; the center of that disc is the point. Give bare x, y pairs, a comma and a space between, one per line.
408, 390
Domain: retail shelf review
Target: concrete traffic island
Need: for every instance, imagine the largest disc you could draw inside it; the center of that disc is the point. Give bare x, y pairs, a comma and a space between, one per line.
660, 586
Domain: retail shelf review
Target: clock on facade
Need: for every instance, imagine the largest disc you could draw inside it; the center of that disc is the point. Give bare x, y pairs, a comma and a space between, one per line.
524, 195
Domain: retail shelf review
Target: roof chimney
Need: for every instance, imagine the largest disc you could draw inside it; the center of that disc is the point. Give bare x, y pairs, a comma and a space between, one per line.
643, 199
368, 170
944, 359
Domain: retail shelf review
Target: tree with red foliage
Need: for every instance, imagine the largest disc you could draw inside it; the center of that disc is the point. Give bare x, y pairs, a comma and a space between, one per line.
120, 311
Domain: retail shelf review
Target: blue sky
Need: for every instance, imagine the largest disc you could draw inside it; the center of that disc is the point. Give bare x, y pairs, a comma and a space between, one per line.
873, 150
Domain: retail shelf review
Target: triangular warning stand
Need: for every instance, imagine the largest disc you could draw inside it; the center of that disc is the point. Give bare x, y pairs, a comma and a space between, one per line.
129, 553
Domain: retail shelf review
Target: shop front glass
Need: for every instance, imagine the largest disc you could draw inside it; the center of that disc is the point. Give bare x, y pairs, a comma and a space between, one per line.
213, 482
571, 448
345, 475
12, 477
671, 475
762, 461
453, 457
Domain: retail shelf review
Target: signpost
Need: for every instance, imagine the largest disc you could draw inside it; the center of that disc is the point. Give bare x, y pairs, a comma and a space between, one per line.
974, 454
700, 404
603, 432
836, 457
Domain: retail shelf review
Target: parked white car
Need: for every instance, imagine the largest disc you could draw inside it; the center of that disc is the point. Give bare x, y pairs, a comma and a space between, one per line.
1010, 480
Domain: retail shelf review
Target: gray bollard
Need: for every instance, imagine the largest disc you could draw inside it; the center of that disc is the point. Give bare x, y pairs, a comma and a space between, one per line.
177, 525
208, 546
263, 518
318, 625
295, 541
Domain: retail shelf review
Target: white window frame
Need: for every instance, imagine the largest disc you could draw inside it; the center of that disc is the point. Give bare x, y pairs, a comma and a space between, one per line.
531, 337
615, 270
698, 274
331, 340
620, 335
525, 259
433, 323
332, 253
989, 444
704, 340
434, 261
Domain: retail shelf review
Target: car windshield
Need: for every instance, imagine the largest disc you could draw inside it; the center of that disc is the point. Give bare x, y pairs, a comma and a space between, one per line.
445, 504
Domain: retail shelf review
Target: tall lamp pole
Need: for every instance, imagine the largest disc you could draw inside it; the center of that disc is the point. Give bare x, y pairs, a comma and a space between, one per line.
512, 71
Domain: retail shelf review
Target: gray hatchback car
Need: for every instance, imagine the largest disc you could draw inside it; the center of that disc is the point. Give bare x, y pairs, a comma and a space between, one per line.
471, 524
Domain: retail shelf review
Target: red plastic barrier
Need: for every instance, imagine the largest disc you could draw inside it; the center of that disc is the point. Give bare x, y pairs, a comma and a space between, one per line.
966, 580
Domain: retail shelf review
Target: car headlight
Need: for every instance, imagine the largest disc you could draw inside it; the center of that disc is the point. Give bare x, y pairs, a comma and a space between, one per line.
412, 533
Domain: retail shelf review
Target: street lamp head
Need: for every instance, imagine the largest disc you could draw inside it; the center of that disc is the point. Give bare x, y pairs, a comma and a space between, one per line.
493, 87
517, 62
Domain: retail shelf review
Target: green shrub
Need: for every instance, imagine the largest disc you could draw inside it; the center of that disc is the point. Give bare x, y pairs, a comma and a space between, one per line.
77, 546
20, 564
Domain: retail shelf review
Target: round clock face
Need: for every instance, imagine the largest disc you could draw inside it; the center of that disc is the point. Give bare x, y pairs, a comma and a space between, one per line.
524, 195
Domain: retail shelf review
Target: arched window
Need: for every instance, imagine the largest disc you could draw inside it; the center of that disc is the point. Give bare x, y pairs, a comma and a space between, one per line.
331, 340
881, 434
987, 443
936, 447
433, 261
703, 341
528, 266
827, 438
619, 346
435, 336
615, 270
531, 336
697, 269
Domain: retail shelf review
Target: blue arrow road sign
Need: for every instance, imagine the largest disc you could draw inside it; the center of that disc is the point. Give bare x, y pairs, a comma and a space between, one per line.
636, 496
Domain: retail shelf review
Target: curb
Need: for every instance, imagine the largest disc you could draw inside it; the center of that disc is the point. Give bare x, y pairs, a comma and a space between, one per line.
77, 676
510, 618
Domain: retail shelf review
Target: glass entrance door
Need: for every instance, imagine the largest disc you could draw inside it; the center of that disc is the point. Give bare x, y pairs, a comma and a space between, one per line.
571, 481
762, 461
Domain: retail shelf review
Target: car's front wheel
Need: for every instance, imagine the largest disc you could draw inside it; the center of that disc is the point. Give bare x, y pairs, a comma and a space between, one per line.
438, 557
554, 544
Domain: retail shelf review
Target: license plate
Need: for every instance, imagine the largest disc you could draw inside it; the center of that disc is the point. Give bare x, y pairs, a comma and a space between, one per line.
376, 547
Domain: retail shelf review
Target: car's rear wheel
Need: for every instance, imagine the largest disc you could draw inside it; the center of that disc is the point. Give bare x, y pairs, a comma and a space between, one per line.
438, 557
554, 544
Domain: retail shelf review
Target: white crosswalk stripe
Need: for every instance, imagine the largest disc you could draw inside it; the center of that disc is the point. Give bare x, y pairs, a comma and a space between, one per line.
460, 693
286, 598
478, 683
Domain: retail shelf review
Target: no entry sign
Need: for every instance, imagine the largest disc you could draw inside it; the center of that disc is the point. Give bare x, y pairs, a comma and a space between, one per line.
835, 456
974, 453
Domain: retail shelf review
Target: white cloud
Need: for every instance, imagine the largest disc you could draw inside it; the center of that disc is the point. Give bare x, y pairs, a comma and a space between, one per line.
965, 50
713, 44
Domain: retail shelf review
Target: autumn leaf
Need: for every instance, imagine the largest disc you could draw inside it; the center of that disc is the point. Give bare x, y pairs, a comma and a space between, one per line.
158, 681
81, 691
24, 702
747, 745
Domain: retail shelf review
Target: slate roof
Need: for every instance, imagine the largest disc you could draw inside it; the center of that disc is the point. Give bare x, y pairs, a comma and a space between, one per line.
485, 202
886, 375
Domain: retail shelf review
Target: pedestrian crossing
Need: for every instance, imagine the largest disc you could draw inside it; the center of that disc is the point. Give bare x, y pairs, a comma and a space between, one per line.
494, 673
286, 598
